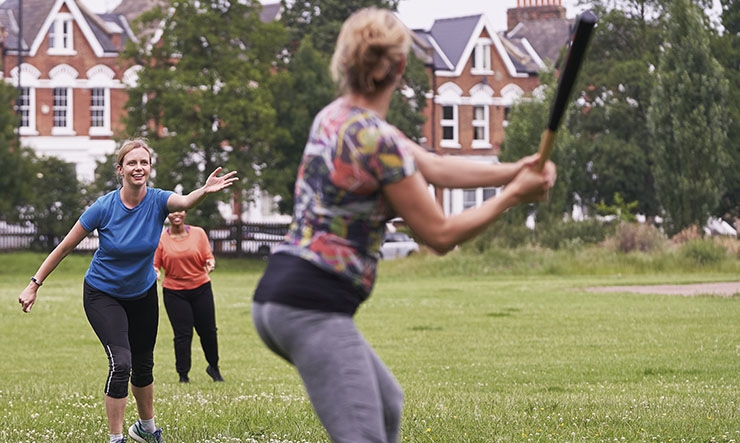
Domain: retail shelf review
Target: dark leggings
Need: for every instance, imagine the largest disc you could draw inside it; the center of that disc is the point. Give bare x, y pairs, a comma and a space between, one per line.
188, 309
127, 328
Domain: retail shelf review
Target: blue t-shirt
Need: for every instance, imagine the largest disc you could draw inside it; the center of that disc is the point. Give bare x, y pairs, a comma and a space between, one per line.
123, 264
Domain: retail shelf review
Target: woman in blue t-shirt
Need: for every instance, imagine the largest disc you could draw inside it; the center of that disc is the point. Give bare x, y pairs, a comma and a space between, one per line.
120, 290
358, 172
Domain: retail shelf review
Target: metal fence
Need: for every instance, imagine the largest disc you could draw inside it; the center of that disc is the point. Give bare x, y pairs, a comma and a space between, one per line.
245, 239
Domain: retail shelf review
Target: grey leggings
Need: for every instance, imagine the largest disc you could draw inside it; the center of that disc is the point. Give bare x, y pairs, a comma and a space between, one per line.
355, 396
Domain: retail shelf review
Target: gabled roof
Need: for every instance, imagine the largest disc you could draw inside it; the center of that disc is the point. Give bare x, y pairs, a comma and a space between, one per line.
453, 41
547, 37
132, 9
453, 34
38, 15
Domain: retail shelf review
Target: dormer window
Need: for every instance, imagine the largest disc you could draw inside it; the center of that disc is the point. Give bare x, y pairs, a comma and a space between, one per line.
60, 35
481, 57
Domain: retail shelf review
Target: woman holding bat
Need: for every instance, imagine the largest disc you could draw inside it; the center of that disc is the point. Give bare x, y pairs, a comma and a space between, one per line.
357, 172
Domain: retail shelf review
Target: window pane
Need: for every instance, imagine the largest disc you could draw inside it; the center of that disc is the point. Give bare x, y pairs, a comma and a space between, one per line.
479, 133
448, 133
468, 198
479, 113
97, 108
488, 193
24, 106
448, 113
60, 107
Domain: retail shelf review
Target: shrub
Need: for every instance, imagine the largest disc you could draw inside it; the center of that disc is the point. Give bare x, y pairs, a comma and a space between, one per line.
572, 234
501, 235
631, 237
687, 234
703, 251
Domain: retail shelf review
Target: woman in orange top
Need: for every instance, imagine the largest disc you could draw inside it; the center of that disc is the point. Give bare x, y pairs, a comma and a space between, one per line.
184, 253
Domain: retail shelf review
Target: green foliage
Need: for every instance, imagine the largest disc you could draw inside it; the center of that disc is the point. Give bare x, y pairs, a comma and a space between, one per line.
300, 90
406, 113
322, 19
612, 144
622, 210
560, 234
207, 104
688, 121
55, 204
527, 120
12, 176
501, 235
726, 47
704, 251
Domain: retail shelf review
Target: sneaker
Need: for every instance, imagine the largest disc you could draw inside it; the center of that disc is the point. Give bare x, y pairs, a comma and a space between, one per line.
214, 373
122, 440
184, 379
139, 434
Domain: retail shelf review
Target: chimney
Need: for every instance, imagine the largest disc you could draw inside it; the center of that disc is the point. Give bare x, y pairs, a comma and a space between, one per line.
527, 10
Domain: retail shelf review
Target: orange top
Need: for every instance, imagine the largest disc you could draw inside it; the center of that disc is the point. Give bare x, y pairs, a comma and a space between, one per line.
184, 259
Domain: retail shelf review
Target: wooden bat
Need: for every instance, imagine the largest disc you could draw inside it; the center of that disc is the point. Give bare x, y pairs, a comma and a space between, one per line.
585, 23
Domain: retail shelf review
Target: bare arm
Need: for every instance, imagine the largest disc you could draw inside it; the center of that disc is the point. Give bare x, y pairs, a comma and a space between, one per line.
456, 172
73, 238
214, 183
410, 199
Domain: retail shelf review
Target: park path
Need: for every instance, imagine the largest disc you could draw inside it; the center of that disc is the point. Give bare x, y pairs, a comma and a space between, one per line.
725, 289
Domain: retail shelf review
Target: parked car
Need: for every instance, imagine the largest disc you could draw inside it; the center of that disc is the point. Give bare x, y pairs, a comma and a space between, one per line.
397, 245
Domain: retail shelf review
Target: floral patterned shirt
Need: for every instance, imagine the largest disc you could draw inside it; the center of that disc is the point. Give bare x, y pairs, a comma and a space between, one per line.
340, 211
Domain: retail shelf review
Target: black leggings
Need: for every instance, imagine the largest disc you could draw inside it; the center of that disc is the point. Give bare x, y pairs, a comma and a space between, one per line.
127, 328
188, 309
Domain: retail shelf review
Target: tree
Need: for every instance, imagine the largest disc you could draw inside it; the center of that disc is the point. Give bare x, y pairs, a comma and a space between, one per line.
207, 103
12, 177
688, 120
615, 83
409, 101
527, 121
300, 90
55, 204
727, 51
303, 85
322, 19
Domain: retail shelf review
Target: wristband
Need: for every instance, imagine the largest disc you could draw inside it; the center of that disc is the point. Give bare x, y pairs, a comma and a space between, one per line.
38, 283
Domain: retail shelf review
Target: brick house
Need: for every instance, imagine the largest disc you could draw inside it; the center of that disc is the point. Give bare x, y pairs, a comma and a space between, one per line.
71, 80
477, 75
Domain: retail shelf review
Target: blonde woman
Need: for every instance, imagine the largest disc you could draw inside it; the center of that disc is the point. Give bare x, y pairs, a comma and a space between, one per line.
358, 172
120, 288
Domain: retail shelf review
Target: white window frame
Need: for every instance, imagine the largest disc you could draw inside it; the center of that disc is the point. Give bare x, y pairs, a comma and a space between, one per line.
99, 110
480, 59
30, 110
29, 79
450, 95
63, 77
510, 94
101, 77
450, 123
61, 35
482, 124
469, 198
481, 95
61, 92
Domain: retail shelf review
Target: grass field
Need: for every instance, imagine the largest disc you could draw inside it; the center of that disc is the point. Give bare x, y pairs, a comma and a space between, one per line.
498, 347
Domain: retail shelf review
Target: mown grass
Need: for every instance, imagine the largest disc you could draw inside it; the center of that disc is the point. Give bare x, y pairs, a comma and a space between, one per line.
500, 346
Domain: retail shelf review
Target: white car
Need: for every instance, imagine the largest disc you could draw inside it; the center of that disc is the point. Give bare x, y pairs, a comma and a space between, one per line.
397, 245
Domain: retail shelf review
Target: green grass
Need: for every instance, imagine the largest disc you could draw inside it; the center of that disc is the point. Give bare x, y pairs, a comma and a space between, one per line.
505, 346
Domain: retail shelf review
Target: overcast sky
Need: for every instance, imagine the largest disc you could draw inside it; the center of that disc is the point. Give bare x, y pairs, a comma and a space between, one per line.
417, 13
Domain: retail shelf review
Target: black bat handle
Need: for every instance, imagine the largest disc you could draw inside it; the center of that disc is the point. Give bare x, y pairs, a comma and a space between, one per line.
584, 25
